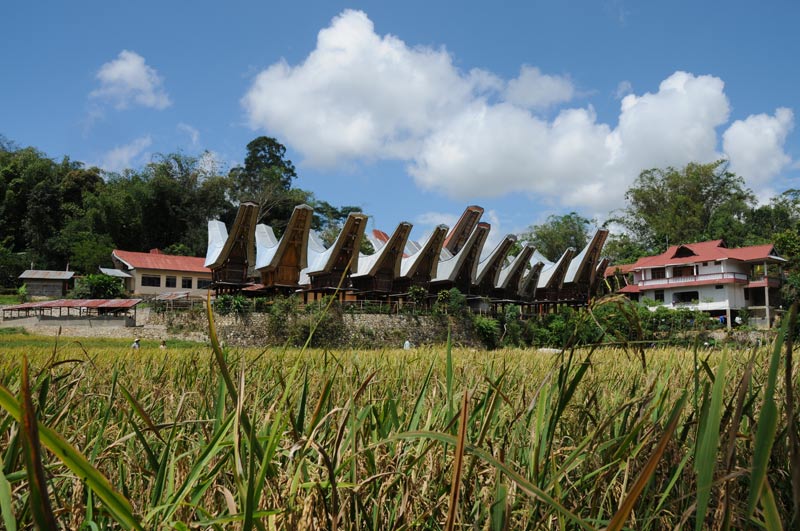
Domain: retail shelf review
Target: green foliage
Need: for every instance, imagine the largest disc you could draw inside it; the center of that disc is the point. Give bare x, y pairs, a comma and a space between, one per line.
512, 326
696, 203
178, 249
488, 331
59, 212
291, 323
237, 304
98, 287
418, 295
450, 302
555, 235
22, 293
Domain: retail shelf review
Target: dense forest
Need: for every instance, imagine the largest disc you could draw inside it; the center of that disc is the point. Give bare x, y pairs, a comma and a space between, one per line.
58, 213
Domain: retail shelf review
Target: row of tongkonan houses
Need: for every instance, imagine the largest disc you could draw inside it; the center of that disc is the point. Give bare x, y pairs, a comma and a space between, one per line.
250, 259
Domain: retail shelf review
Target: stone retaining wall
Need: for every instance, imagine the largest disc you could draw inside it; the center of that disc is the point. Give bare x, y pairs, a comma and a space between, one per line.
367, 330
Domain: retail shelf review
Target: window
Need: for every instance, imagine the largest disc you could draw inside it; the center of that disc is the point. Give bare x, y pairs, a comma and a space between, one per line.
151, 281
171, 282
718, 286
203, 283
705, 264
659, 295
683, 271
684, 297
186, 282
658, 272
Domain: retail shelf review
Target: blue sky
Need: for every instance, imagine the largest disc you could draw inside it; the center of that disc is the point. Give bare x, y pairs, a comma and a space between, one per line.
414, 110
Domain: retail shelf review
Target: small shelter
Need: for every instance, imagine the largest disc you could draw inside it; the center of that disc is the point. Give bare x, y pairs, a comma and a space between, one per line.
41, 283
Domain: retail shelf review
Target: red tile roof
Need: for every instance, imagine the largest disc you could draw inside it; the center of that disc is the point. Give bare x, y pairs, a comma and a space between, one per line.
707, 252
157, 260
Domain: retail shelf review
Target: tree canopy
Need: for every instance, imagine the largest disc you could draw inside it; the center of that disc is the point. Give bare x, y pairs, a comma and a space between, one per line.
555, 235
57, 214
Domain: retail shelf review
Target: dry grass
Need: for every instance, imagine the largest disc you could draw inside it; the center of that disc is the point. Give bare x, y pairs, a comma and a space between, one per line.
394, 439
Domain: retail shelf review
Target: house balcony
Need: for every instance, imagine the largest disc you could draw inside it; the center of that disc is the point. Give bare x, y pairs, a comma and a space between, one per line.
762, 281
695, 280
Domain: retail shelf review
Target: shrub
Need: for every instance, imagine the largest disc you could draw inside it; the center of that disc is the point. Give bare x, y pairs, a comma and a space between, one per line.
488, 330
98, 287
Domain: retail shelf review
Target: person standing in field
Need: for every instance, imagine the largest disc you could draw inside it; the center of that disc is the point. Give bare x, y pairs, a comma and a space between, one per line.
135, 344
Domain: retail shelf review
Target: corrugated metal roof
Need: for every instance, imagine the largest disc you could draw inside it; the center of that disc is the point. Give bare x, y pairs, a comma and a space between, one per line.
116, 273
115, 304
160, 261
37, 274
173, 295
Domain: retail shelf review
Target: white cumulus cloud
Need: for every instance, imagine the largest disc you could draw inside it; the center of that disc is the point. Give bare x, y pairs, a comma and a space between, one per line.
128, 80
755, 145
123, 157
536, 90
360, 96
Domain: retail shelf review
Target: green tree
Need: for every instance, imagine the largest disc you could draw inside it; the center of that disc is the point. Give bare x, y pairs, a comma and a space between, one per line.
696, 203
266, 178
623, 249
555, 235
98, 287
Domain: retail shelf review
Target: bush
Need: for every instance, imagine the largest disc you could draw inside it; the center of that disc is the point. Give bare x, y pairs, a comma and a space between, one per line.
22, 293
98, 287
238, 304
488, 330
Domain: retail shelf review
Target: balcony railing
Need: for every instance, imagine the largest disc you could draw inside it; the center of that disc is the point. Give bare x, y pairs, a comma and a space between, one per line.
710, 277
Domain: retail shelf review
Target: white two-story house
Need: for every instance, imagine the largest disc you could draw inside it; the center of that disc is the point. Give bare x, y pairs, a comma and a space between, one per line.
710, 277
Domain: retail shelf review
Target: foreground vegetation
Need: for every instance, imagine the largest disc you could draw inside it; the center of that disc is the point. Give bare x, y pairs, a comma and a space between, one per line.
198, 437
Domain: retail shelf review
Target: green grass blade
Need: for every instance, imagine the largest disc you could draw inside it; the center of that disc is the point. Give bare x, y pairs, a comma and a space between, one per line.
621, 516
768, 420
31, 451
6, 505
709, 441
117, 505
209, 452
772, 518
449, 374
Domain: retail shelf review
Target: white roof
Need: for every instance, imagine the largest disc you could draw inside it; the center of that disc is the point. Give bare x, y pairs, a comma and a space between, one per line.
513, 268
494, 260
321, 259
410, 263
217, 235
549, 270
367, 264
449, 269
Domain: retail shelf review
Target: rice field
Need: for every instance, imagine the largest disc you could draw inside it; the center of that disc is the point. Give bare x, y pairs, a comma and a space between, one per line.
94, 435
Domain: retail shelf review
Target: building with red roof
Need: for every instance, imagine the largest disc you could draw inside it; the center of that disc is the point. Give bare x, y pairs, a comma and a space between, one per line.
156, 273
710, 277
